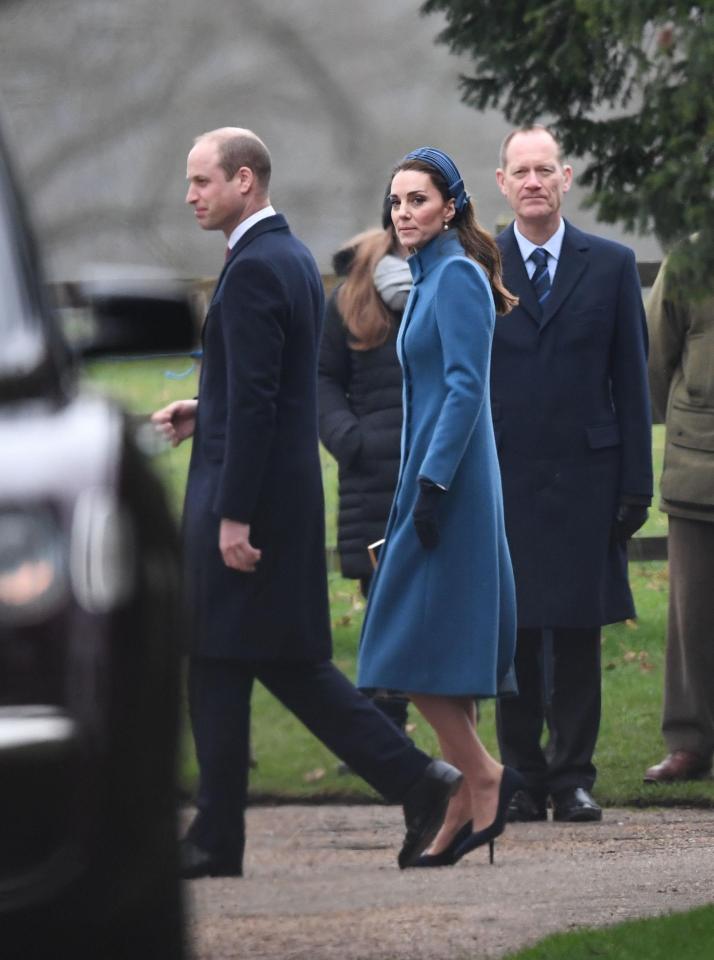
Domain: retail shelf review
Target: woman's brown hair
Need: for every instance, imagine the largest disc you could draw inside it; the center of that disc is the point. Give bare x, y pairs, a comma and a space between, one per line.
365, 314
477, 242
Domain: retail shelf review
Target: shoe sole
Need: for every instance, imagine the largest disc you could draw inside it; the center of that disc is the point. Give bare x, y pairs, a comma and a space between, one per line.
432, 829
583, 816
215, 872
538, 819
703, 775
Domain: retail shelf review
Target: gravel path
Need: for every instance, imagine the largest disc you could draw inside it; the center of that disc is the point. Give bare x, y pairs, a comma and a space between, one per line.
322, 884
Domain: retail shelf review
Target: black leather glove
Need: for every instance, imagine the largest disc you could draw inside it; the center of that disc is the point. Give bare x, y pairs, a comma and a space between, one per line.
628, 520
424, 514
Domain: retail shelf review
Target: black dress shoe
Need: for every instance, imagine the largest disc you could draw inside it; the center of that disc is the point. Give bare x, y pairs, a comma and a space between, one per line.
195, 862
425, 808
526, 807
575, 805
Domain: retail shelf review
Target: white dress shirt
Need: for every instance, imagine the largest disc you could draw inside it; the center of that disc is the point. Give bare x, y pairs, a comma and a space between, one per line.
249, 222
552, 247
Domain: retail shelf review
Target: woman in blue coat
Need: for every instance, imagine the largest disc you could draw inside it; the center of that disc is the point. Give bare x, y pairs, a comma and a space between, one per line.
440, 621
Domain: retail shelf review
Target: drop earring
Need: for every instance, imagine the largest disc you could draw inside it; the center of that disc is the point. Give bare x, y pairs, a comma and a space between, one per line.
446, 225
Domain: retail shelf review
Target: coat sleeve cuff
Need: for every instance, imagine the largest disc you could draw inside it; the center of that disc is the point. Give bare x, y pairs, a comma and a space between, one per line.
635, 499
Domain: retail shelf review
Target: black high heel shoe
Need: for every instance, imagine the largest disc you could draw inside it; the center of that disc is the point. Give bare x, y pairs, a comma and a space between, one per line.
447, 857
510, 782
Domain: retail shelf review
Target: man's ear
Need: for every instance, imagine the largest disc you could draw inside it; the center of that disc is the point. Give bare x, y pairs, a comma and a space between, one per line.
245, 178
501, 181
567, 177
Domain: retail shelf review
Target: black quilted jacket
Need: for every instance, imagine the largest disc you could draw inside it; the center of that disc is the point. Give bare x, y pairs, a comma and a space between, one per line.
360, 397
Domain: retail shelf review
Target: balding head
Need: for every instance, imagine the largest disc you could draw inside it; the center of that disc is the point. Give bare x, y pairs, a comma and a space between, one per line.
529, 128
238, 147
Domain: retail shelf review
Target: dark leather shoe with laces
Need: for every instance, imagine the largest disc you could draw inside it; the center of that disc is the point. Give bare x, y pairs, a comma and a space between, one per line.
526, 807
195, 862
425, 808
679, 765
575, 805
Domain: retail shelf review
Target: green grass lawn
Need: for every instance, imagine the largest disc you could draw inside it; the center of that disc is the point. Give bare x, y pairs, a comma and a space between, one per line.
291, 763
683, 936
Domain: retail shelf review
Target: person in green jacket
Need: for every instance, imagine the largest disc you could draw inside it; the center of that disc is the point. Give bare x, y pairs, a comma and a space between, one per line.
681, 371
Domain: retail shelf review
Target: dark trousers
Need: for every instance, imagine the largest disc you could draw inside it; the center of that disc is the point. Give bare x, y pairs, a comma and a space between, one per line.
688, 713
570, 701
320, 697
393, 703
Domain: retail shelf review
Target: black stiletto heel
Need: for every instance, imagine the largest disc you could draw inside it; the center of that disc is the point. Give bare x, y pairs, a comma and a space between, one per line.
510, 782
447, 857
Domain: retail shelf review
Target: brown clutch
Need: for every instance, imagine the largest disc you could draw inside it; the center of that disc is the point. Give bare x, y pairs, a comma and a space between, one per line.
373, 551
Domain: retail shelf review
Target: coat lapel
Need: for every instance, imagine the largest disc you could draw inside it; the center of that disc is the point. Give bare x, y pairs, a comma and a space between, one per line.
571, 264
516, 276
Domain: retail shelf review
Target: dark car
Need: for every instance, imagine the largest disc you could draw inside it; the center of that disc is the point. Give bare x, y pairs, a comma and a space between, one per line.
89, 629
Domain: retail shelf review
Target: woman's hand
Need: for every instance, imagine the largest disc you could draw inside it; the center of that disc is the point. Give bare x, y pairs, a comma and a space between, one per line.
424, 514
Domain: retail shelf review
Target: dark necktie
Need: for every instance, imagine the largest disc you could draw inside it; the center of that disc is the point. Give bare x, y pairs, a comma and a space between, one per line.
541, 277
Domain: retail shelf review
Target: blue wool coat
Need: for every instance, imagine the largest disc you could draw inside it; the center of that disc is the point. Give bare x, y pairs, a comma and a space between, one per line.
571, 413
443, 620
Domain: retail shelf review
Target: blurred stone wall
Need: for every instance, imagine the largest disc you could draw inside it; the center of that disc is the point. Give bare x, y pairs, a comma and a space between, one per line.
101, 99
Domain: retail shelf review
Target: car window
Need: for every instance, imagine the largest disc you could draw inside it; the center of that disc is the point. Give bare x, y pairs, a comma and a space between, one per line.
21, 346
22, 331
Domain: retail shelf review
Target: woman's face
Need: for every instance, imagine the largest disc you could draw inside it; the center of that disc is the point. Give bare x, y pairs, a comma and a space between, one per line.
418, 209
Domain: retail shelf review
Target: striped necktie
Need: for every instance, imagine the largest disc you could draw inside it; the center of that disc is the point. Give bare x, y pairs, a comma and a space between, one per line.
541, 277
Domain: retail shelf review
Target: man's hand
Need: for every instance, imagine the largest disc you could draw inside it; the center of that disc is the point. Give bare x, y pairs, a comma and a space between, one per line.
177, 421
628, 520
235, 546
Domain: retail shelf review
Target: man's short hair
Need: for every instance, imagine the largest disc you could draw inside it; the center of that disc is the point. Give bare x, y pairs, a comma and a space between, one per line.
527, 129
241, 148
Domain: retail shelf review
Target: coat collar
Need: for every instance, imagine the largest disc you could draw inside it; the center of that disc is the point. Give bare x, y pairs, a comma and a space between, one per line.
572, 262
268, 224
275, 222
446, 244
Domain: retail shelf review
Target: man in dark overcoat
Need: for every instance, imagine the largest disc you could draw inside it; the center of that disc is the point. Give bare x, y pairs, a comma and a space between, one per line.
254, 522
572, 420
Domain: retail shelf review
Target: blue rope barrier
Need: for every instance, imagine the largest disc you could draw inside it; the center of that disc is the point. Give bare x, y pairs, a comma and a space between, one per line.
175, 375
194, 355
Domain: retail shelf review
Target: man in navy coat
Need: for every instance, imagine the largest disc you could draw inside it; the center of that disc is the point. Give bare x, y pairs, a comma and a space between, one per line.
254, 522
572, 418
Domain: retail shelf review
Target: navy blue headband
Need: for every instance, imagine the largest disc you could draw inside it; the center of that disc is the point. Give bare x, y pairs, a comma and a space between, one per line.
447, 168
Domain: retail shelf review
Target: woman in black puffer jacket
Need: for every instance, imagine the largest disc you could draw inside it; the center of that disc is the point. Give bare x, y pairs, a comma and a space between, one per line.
360, 397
